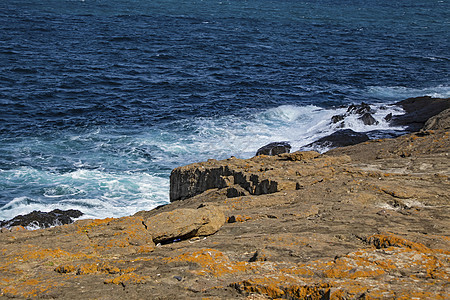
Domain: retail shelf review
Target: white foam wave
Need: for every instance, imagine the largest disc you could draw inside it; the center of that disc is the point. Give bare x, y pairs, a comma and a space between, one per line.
97, 194
242, 136
400, 92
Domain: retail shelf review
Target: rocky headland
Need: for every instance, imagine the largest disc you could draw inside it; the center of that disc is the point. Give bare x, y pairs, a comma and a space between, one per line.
365, 221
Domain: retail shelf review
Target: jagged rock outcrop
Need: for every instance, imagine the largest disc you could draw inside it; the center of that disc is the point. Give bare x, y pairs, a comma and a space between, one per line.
255, 176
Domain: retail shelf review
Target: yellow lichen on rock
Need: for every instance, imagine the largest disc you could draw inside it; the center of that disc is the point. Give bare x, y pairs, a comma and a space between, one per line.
212, 262
128, 278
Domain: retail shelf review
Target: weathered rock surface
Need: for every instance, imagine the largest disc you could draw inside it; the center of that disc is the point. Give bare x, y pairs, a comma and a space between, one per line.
185, 223
368, 221
439, 122
40, 219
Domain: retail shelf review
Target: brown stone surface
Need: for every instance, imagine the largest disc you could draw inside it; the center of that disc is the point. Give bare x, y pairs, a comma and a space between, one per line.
439, 122
185, 223
369, 221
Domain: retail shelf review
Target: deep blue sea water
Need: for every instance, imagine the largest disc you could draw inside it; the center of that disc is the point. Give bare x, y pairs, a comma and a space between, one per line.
100, 99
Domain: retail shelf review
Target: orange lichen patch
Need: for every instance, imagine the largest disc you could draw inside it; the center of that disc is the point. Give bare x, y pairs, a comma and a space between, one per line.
250, 286
92, 268
87, 269
388, 240
277, 289
41, 254
352, 268
353, 275
308, 292
31, 254
132, 278
300, 270
84, 225
18, 228
29, 288
212, 262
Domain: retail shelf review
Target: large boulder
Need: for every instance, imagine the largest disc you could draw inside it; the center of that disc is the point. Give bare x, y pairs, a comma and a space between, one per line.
274, 149
340, 138
185, 223
38, 219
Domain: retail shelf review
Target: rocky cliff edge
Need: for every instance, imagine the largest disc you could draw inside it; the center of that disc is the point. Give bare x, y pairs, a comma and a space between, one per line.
369, 221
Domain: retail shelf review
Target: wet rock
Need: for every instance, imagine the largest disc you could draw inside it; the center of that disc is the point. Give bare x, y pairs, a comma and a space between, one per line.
337, 118
388, 117
274, 149
363, 110
185, 223
418, 110
340, 138
359, 109
38, 219
367, 119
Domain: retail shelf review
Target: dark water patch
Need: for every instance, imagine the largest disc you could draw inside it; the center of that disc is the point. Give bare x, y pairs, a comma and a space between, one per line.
122, 39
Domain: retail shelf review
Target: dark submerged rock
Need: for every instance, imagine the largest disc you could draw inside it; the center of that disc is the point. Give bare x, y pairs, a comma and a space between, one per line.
340, 138
274, 149
43, 219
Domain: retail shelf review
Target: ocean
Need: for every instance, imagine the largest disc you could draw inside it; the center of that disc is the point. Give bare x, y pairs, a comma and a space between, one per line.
101, 99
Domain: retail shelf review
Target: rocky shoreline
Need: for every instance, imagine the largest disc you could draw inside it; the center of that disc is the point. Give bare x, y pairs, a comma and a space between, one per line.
364, 221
